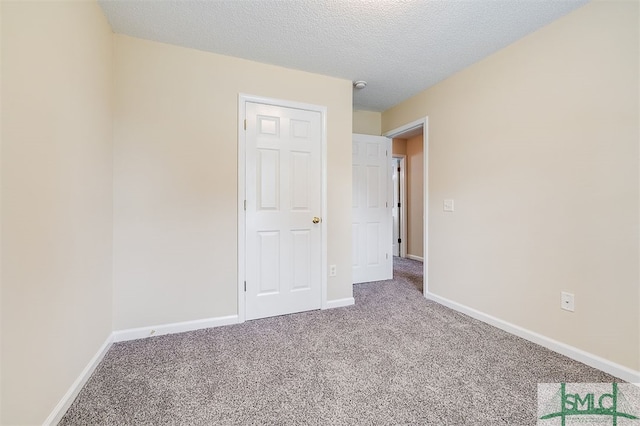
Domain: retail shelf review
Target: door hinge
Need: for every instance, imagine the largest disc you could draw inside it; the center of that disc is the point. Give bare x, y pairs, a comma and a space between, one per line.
386, 255
398, 169
399, 205
245, 286
399, 240
386, 204
386, 153
245, 205
245, 124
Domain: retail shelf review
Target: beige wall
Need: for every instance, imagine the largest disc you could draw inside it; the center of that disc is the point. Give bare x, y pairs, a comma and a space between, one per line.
399, 146
538, 146
175, 216
56, 200
415, 196
367, 122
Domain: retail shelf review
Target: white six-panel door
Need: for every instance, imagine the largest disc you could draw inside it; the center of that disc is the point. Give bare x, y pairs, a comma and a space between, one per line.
395, 209
284, 195
372, 225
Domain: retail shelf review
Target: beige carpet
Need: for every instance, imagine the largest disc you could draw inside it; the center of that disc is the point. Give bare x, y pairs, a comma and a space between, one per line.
393, 358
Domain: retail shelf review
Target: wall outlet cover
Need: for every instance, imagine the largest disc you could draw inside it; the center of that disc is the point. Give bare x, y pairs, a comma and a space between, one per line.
567, 301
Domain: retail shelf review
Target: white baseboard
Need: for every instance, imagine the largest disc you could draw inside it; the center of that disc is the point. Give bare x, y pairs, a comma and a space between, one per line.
584, 357
178, 327
339, 303
68, 398
413, 257
121, 336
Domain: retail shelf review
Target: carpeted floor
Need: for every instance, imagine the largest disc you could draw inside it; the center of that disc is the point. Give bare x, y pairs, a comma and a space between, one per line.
393, 358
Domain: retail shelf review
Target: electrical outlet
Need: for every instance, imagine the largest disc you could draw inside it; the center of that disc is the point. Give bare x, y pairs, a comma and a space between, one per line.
567, 301
332, 270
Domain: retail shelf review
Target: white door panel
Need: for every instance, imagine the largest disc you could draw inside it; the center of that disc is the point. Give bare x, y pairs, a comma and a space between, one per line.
372, 225
284, 193
395, 209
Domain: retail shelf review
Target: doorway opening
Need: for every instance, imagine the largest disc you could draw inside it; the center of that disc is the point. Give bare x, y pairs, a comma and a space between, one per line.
417, 190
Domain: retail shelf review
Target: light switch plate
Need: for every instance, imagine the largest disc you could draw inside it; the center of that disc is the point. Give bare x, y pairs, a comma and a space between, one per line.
448, 205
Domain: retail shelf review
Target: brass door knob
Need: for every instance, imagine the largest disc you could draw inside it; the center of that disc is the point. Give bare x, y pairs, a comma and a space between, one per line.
316, 220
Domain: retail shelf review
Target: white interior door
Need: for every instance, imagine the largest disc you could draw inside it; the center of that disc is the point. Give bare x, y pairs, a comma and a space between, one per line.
395, 206
372, 195
284, 194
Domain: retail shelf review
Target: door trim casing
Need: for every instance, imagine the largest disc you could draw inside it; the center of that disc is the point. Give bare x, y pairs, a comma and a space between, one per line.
424, 123
242, 101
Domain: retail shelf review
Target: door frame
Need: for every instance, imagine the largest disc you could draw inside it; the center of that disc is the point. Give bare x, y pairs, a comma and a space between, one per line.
403, 203
242, 101
424, 123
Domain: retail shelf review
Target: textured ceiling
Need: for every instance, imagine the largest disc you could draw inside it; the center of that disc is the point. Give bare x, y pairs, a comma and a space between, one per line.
400, 47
